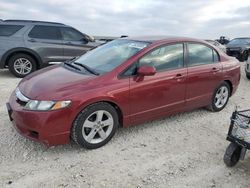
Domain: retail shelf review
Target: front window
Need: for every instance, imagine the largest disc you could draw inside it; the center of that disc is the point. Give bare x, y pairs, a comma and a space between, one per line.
71, 34
109, 56
240, 41
165, 58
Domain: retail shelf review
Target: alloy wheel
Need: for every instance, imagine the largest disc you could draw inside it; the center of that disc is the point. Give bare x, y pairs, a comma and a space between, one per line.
97, 126
221, 97
22, 66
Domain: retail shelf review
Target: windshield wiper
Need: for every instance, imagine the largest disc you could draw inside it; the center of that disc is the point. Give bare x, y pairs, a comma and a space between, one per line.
72, 66
87, 68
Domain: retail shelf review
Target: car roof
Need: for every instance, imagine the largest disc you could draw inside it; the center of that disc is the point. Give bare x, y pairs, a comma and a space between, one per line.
156, 39
30, 22
242, 38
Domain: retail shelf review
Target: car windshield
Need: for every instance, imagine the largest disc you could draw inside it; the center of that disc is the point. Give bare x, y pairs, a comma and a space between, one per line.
240, 41
109, 56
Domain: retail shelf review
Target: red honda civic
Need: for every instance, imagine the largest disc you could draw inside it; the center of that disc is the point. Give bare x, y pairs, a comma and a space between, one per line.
122, 83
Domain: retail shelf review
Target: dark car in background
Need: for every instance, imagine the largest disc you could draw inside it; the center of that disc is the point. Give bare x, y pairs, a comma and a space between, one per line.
239, 48
26, 45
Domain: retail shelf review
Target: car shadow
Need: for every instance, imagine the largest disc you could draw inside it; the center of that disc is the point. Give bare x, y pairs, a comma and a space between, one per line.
5, 73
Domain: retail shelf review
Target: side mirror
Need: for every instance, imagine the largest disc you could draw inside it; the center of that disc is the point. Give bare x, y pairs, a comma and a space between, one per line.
88, 38
84, 40
146, 71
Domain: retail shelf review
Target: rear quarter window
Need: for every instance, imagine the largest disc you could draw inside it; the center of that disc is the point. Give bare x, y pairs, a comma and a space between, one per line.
8, 30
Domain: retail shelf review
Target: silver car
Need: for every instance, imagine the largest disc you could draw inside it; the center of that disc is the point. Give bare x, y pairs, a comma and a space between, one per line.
26, 46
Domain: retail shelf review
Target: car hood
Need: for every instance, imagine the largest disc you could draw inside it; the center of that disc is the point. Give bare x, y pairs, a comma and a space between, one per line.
54, 83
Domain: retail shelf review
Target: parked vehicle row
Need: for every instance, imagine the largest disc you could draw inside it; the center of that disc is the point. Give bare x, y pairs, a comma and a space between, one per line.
122, 83
26, 46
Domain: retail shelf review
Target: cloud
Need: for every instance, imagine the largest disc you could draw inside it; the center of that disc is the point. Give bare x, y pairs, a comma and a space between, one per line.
201, 19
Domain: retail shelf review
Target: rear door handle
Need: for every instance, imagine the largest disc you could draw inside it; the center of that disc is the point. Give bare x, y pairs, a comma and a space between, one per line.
32, 40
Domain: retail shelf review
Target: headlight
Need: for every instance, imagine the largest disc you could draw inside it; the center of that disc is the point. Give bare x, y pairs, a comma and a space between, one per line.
46, 105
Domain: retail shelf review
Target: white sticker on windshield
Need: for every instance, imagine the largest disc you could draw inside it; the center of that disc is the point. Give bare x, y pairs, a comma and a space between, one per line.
137, 45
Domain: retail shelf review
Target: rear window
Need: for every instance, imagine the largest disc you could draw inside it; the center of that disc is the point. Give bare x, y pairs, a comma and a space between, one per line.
45, 32
8, 30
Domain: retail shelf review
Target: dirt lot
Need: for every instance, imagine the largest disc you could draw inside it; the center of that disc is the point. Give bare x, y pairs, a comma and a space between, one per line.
185, 150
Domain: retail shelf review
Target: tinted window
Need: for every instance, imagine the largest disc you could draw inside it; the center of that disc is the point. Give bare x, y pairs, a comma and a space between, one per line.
71, 34
199, 54
45, 32
163, 58
8, 30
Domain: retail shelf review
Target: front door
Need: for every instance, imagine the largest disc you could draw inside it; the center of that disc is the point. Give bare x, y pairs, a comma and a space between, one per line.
164, 92
74, 43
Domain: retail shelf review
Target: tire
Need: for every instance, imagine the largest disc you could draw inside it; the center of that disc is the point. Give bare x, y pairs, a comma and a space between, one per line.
246, 57
215, 105
88, 129
248, 76
21, 65
243, 57
232, 154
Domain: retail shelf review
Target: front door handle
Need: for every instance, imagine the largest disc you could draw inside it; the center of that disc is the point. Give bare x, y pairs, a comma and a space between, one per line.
214, 69
179, 76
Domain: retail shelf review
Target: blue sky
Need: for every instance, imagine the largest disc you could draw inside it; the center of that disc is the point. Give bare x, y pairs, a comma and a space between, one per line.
200, 19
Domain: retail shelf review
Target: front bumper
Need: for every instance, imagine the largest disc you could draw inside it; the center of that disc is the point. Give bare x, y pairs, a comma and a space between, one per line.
48, 127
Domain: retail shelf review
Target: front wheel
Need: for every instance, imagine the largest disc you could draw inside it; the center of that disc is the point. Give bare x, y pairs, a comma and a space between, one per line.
95, 125
21, 65
220, 97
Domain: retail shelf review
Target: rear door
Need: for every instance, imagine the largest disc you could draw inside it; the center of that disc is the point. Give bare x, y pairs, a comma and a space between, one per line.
47, 42
74, 42
204, 74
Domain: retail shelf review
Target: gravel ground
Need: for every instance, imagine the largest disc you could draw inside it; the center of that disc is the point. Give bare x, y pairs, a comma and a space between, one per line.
184, 150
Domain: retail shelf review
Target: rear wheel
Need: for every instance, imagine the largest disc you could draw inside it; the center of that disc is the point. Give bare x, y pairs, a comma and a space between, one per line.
220, 97
21, 65
232, 154
95, 125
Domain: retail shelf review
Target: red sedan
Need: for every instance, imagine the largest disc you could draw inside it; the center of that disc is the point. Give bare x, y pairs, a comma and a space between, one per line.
124, 82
